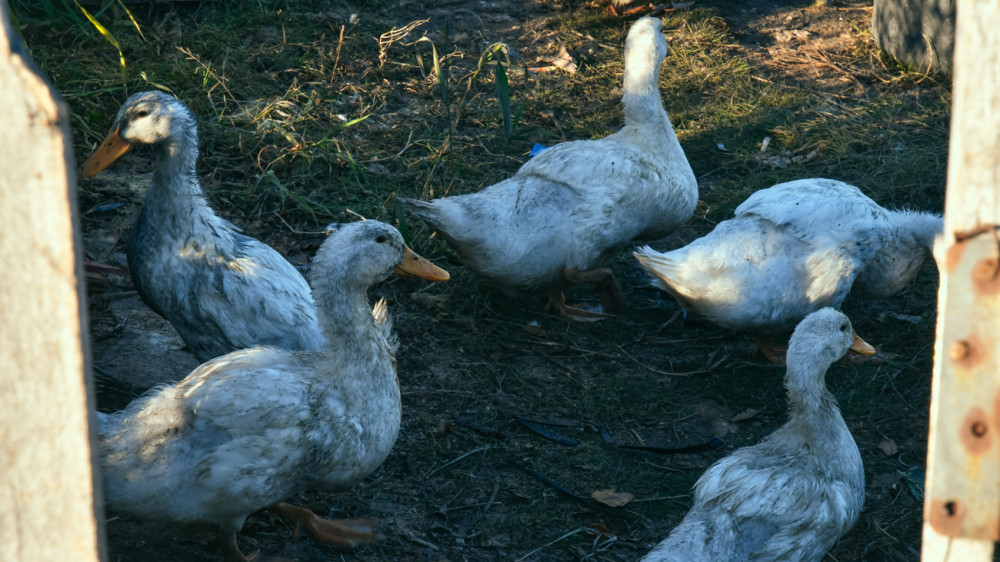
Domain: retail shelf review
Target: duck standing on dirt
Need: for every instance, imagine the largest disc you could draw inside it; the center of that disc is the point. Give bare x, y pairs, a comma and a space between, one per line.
249, 429
792, 249
791, 496
221, 290
573, 206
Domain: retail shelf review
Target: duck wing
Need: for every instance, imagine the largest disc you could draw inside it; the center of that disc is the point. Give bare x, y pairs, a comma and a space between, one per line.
626, 191
749, 274
820, 208
783, 506
226, 292
224, 442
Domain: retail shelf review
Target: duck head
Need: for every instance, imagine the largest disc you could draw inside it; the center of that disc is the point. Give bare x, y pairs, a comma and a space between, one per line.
147, 118
367, 252
818, 341
645, 51
824, 337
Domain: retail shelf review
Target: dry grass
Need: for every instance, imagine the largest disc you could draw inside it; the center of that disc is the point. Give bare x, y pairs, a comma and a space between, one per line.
308, 109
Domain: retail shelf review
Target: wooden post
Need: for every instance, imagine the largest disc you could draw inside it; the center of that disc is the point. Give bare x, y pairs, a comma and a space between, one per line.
47, 481
962, 499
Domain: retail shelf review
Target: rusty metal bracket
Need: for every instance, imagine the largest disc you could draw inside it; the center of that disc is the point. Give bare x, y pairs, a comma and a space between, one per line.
963, 460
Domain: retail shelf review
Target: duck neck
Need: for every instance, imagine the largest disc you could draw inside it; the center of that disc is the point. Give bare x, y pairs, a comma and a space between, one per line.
646, 122
647, 113
899, 260
344, 312
175, 190
808, 398
918, 229
641, 95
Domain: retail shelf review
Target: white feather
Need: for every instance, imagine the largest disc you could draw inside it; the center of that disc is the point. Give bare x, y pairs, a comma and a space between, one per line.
791, 496
792, 249
576, 204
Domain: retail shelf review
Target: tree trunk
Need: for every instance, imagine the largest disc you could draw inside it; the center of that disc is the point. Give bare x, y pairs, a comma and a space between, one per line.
917, 32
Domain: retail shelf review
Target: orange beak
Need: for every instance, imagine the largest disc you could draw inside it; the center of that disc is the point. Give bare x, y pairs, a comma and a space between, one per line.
861, 346
110, 150
417, 266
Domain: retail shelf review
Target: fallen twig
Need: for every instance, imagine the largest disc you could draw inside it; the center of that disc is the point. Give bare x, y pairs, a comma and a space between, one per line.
453, 461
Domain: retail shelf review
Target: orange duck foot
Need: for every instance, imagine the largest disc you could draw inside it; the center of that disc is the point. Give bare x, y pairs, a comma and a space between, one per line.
604, 282
557, 303
340, 532
775, 354
232, 549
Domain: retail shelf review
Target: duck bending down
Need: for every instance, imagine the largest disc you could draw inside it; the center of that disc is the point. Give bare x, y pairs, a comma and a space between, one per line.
221, 290
792, 249
247, 430
791, 496
572, 207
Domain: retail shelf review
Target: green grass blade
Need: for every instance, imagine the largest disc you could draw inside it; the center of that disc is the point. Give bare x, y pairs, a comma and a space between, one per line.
503, 96
107, 35
156, 85
354, 121
302, 201
105, 4
135, 23
488, 55
66, 10
442, 80
517, 116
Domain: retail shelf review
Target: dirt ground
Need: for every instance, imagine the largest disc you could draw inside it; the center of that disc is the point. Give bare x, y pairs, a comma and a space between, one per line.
513, 418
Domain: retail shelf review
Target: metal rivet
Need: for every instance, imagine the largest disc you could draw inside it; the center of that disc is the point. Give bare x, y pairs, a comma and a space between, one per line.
951, 508
986, 269
978, 428
959, 350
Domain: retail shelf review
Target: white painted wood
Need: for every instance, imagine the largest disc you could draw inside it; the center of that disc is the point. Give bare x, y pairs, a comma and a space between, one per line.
961, 470
47, 483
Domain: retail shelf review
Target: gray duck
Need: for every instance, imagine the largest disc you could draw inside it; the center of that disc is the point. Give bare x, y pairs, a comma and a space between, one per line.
791, 496
221, 290
570, 209
247, 430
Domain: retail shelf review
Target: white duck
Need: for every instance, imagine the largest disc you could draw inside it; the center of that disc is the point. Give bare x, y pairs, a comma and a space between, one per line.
247, 430
791, 496
221, 290
573, 206
792, 249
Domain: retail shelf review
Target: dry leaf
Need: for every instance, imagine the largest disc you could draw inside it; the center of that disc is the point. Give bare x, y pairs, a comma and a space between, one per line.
612, 498
888, 447
748, 414
562, 60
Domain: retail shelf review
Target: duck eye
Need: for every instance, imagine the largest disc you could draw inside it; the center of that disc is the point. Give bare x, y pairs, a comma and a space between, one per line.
142, 113
381, 238
843, 327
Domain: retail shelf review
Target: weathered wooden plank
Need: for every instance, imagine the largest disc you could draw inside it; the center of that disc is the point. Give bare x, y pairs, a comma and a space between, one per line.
47, 484
962, 502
